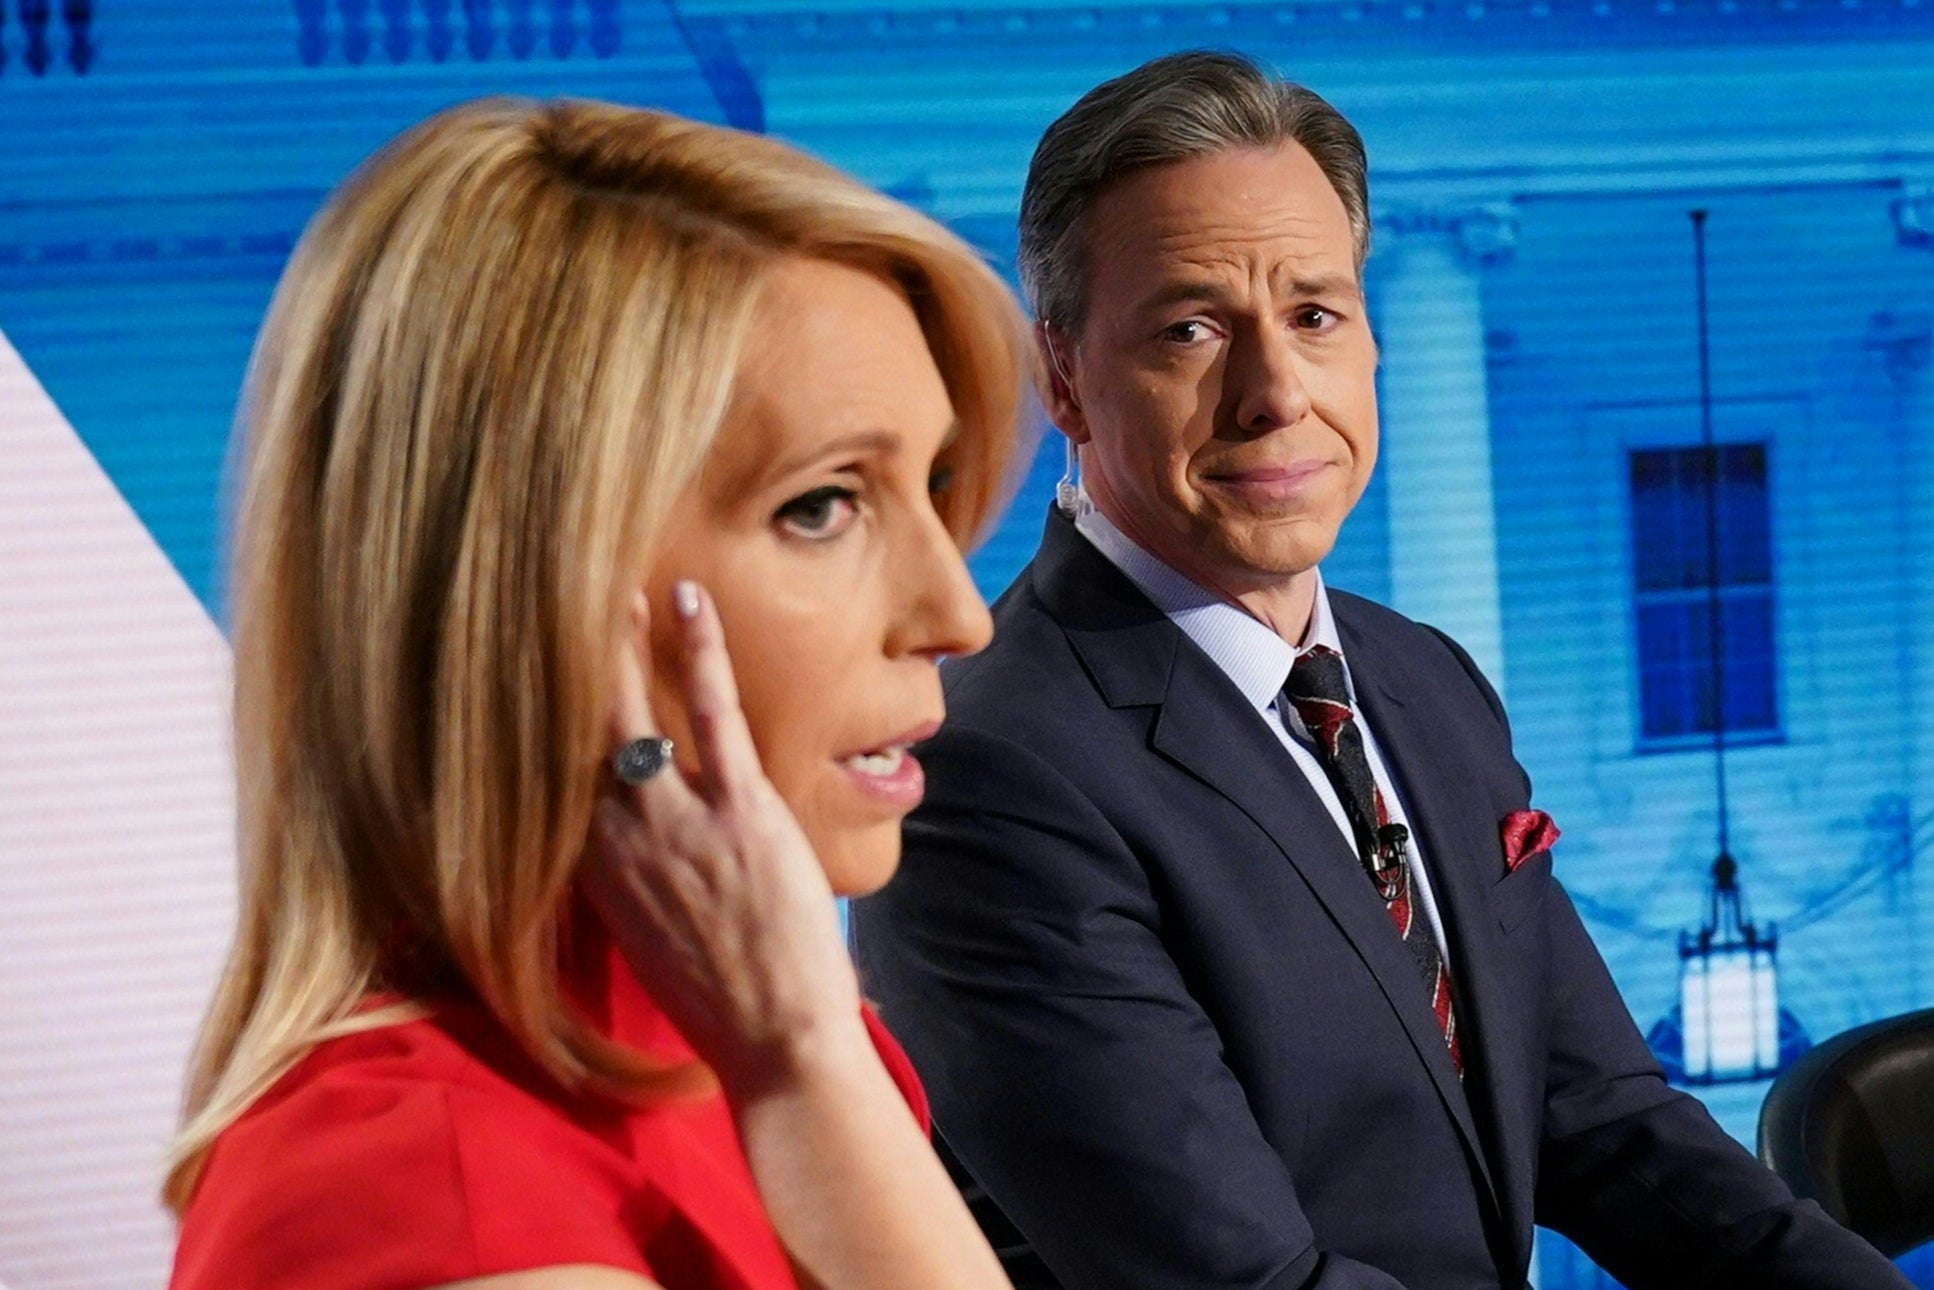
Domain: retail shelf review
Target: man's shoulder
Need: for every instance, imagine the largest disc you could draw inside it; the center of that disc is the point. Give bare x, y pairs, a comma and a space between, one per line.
1383, 628
1413, 656
1029, 661
1033, 663
1379, 623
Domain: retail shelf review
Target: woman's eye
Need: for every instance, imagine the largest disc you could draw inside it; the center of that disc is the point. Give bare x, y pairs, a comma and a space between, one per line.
822, 513
940, 480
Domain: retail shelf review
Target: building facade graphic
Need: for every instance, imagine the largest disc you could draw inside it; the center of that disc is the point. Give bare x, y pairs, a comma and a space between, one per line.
1541, 494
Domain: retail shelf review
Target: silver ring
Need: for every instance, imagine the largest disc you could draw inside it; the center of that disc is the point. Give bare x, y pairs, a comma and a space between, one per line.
640, 759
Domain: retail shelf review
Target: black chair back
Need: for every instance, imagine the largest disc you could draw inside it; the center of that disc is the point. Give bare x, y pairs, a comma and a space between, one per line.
1851, 1125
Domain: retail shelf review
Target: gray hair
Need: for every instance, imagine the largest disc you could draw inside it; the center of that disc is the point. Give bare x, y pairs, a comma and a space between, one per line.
1173, 108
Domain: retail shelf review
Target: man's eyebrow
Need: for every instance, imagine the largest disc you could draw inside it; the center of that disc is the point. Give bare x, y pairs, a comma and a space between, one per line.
1184, 290
1189, 290
1323, 284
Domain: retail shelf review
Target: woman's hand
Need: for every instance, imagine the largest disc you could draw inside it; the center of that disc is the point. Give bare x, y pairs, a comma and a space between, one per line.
718, 903
709, 888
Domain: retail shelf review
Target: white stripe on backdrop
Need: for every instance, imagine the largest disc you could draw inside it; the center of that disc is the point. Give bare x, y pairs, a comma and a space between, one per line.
116, 856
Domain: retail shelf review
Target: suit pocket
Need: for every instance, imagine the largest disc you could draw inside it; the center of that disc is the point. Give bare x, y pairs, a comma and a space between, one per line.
1518, 894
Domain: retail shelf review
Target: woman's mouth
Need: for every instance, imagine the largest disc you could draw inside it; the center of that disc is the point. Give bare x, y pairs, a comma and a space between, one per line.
891, 775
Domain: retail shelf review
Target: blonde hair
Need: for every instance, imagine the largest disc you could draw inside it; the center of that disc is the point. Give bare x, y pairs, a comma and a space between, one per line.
497, 355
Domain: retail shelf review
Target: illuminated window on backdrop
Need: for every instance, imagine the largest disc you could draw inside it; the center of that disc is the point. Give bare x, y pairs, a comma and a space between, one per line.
1672, 601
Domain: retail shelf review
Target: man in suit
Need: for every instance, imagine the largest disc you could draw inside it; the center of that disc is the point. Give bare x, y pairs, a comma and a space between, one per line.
1227, 941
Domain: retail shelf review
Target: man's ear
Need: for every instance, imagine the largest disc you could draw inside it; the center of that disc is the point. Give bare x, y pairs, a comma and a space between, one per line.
1061, 394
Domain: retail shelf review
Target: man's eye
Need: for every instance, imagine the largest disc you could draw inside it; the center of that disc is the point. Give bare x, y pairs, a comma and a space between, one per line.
940, 480
823, 513
1186, 332
1315, 318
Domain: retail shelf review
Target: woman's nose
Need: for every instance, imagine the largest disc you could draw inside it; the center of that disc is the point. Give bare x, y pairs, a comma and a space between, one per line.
941, 613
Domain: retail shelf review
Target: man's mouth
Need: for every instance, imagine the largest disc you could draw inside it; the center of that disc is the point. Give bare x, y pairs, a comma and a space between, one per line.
1293, 472
1269, 485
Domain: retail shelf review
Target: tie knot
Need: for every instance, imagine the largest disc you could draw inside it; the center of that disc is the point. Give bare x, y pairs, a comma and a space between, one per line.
1318, 690
1318, 674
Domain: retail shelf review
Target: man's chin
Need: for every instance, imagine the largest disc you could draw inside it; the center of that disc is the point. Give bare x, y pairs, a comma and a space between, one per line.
1273, 553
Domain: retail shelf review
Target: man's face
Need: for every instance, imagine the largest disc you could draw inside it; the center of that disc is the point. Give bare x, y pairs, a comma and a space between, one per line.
1222, 385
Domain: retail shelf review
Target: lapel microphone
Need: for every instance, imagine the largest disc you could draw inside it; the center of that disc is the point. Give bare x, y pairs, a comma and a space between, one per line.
1067, 493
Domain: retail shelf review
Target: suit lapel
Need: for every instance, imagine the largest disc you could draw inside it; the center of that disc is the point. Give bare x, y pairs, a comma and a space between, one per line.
1209, 729
1450, 813
1137, 657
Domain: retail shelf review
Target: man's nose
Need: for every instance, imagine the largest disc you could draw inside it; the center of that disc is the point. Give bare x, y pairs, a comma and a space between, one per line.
1264, 379
939, 611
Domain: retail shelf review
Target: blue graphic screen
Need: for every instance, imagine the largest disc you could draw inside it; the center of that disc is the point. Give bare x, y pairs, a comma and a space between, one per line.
1544, 480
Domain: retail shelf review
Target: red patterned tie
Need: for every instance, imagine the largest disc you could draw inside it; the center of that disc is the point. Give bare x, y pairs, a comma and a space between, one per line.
1321, 697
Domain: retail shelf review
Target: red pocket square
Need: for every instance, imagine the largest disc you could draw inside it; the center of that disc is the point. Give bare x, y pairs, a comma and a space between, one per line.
1526, 833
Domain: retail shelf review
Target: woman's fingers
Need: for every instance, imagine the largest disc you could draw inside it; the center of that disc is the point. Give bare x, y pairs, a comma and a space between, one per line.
711, 890
631, 715
728, 759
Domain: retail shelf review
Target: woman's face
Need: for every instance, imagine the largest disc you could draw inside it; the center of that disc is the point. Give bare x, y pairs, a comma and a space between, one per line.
814, 529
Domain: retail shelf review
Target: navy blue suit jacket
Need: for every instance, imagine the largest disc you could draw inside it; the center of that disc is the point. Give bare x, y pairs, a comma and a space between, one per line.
1172, 1039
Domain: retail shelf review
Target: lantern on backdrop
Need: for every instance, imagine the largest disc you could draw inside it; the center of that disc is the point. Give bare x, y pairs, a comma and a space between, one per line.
1729, 1004
1729, 988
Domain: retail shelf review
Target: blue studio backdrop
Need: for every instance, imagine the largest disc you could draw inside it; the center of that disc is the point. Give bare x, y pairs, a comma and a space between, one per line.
1544, 485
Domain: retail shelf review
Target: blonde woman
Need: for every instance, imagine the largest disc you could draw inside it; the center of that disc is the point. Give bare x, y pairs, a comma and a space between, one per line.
555, 406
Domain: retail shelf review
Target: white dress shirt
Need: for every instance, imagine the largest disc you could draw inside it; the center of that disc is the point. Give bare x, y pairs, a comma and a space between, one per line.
1258, 661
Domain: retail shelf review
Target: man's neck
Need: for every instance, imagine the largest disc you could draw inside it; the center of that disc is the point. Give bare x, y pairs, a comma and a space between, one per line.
1285, 605
1286, 608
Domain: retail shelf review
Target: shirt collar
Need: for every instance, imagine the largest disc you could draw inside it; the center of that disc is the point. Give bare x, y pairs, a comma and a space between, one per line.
1246, 651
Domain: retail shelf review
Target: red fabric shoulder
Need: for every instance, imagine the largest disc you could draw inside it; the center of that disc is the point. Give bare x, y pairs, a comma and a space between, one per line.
434, 1150
393, 1159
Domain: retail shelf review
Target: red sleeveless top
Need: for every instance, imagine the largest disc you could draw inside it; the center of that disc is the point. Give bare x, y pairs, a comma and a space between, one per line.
434, 1151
